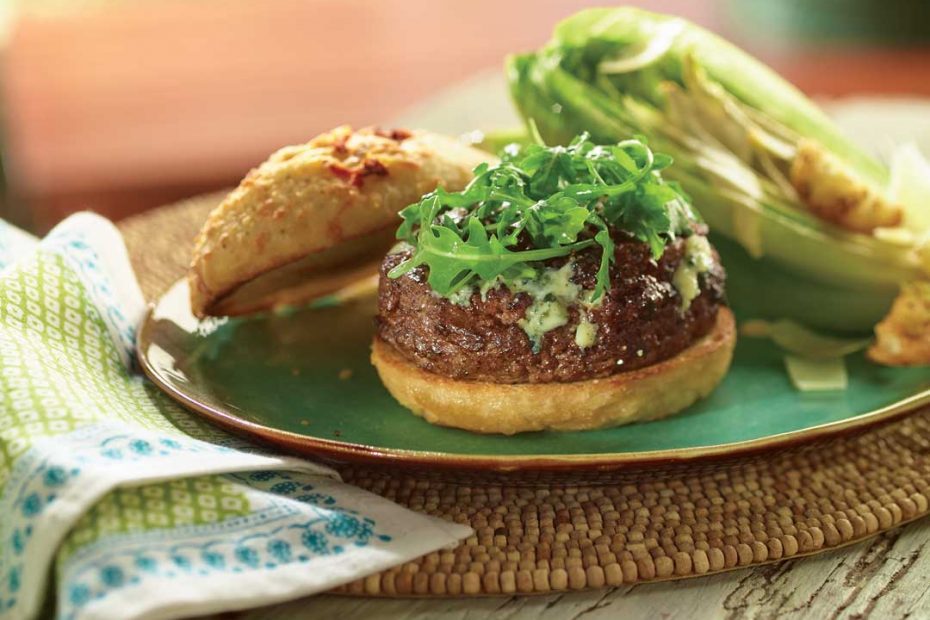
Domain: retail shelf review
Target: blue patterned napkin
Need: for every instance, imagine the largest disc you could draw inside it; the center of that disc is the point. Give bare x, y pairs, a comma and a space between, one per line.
129, 505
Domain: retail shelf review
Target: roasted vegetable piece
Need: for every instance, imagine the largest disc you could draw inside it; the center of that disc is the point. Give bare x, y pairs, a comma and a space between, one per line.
831, 192
903, 337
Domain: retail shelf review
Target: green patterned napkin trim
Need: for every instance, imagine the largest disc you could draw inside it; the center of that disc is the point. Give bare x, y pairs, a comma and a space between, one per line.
141, 508
168, 505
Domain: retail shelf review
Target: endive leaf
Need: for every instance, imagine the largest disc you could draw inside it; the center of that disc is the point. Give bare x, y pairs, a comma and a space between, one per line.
800, 340
910, 186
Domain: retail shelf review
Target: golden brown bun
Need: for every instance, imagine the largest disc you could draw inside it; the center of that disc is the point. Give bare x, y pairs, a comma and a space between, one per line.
647, 394
317, 215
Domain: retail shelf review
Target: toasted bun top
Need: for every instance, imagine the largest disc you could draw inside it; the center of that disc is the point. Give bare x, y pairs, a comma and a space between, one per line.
317, 215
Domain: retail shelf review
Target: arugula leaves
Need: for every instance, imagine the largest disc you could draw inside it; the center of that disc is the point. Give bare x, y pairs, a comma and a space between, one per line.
539, 203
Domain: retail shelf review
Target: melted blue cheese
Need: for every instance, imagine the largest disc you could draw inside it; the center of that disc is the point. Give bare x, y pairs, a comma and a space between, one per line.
462, 297
698, 258
585, 333
543, 316
552, 292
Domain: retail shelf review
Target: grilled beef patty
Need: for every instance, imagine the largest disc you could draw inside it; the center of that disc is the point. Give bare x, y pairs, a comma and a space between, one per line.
639, 322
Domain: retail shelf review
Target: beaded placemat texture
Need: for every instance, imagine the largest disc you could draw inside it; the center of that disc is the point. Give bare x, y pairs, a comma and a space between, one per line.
552, 534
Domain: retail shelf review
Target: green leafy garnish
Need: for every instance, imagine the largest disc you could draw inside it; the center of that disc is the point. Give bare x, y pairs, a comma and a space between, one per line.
541, 203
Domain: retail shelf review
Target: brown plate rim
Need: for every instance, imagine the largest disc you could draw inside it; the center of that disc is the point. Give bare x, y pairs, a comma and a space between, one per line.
349, 452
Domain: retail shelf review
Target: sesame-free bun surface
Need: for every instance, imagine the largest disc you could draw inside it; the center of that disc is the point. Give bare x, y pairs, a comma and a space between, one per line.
649, 393
316, 216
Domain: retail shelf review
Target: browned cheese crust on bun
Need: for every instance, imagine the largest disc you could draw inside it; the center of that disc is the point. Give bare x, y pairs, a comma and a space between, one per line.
316, 211
565, 288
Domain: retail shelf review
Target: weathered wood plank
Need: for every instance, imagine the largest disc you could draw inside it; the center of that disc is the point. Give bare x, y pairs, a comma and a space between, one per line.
885, 577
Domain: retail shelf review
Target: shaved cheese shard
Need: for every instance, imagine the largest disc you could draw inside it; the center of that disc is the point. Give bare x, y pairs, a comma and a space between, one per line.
823, 375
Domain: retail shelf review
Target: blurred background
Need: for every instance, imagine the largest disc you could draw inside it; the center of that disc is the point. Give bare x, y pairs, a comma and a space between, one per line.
123, 105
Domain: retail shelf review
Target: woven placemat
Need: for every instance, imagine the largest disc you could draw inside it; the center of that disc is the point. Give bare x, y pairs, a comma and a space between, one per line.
554, 534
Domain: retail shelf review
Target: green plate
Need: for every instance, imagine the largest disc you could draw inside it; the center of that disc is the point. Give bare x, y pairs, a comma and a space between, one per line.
302, 381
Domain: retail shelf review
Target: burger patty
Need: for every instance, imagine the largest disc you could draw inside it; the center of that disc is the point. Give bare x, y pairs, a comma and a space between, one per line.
639, 321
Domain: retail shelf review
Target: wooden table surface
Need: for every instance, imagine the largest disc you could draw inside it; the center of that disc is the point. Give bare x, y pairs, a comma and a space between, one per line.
885, 577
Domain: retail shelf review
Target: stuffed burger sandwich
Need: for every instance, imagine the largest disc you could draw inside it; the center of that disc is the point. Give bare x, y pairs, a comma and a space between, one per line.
553, 288
563, 288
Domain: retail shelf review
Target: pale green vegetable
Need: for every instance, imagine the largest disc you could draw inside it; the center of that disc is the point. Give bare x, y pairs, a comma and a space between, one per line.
779, 292
732, 126
495, 141
799, 340
910, 186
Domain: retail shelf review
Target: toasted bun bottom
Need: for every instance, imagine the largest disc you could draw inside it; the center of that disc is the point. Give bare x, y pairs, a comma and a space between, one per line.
645, 394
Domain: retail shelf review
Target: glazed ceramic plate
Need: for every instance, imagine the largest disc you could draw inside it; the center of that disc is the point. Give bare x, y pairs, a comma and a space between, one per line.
302, 381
